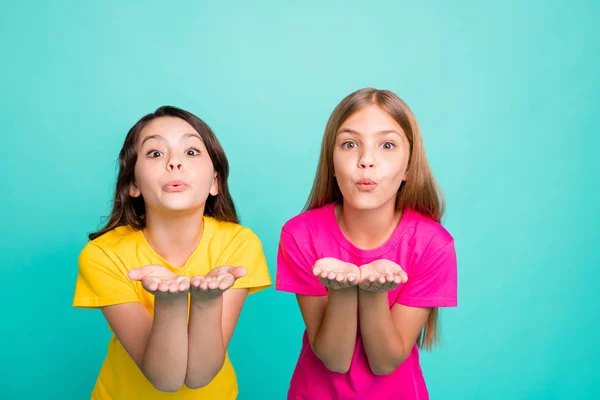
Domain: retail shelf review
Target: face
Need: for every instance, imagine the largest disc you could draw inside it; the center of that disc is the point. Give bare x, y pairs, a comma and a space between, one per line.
173, 170
370, 158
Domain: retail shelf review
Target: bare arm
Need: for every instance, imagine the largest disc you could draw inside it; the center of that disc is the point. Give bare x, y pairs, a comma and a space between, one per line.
331, 320
388, 335
331, 325
214, 312
158, 346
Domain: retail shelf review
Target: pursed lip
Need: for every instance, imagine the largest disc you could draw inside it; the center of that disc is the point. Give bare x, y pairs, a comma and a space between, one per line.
366, 184
175, 186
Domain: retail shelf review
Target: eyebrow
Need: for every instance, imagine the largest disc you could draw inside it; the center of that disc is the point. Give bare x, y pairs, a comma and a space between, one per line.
384, 132
159, 137
189, 135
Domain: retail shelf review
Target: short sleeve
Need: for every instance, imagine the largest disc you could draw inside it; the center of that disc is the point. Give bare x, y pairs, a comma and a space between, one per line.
246, 251
433, 281
294, 267
102, 281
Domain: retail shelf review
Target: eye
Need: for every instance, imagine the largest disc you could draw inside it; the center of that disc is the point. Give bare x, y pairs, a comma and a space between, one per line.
154, 154
192, 152
349, 145
388, 145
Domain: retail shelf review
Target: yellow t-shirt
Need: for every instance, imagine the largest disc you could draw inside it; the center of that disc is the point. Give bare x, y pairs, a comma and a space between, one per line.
102, 281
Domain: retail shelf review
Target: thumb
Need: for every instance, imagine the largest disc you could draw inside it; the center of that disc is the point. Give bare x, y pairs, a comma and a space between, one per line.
238, 272
137, 274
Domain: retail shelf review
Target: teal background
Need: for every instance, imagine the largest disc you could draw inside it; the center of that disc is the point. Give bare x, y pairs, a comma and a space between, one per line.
507, 96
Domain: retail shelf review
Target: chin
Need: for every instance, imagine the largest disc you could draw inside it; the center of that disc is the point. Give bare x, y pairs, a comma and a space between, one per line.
369, 201
180, 206
365, 204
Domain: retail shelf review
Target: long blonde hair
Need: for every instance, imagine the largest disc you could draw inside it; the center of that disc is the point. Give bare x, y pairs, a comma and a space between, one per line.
419, 192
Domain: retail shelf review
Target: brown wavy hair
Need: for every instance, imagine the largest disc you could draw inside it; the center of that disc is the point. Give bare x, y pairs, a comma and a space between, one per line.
419, 192
129, 210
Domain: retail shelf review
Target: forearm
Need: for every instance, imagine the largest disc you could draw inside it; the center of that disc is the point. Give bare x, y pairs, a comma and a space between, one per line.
165, 356
382, 342
205, 342
336, 338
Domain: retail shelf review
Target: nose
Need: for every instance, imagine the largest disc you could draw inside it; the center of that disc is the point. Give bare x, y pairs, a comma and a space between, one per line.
174, 163
367, 159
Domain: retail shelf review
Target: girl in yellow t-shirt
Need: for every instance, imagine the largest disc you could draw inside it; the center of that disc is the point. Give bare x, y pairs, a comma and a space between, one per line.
172, 267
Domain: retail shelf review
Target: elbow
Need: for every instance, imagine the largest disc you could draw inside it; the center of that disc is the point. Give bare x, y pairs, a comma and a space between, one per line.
198, 383
167, 387
201, 380
382, 370
162, 382
386, 367
338, 368
333, 362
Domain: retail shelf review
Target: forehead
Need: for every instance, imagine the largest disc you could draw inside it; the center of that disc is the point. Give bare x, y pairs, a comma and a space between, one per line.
167, 127
371, 119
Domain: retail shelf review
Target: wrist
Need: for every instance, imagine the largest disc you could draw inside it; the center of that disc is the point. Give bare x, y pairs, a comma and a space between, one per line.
205, 300
368, 295
170, 298
343, 292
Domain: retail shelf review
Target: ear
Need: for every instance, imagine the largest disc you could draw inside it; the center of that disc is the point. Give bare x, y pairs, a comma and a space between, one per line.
134, 191
406, 171
214, 188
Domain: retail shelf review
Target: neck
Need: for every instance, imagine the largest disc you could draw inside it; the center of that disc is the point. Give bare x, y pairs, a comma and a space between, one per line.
174, 235
368, 229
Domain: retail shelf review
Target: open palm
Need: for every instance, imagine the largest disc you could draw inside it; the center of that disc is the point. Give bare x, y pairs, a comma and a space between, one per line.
160, 281
381, 276
336, 274
217, 281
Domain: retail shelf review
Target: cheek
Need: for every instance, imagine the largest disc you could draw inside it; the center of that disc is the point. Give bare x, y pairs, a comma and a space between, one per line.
341, 165
141, 174
203, 172
395, 166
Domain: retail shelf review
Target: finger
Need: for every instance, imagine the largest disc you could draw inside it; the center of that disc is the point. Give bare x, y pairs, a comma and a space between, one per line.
195, 282
331, 275
173, 286
163, 287
135, 274
184, 285
238, 272
364, 284
138, 274
226, 282
381, 284
203, 284
150, 284
334, 284
339, 277
213, 284
352, 278
317, 270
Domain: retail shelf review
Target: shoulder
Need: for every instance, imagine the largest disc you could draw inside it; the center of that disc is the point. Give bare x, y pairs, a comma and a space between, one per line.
426, 232
311, 221
115, 241
224, 233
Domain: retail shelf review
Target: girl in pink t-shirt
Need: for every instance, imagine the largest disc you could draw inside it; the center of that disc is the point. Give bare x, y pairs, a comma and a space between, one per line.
368, 259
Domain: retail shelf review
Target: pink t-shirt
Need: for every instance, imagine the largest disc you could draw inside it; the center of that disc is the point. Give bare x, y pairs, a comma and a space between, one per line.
421, 246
